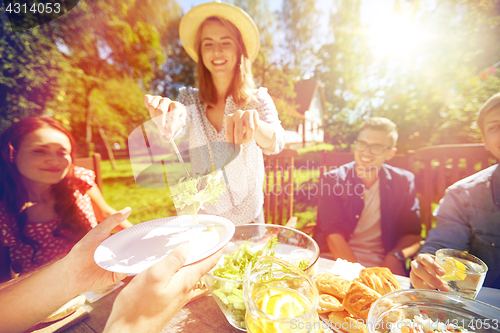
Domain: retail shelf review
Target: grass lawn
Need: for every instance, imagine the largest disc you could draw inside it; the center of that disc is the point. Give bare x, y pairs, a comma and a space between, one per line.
120, 190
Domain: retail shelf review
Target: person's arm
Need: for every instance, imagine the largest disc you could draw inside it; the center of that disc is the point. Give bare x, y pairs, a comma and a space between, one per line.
102, 210
265, 136
409, 226
452, 230
33, 297
262, 124
409, 221
271, 134
339, 248
154, 296
243, 126
333, 221
408, 246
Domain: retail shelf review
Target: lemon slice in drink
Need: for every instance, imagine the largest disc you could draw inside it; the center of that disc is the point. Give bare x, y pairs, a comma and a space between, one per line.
286, 305
283, 304
454, 270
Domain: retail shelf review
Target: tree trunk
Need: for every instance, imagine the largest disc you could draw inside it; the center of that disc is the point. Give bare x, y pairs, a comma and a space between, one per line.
108, 146
88, 123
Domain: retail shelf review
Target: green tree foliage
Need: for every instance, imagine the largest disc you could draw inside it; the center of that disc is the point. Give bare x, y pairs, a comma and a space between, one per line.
268, 70
435, 94
432, 89
113, 48
89, 68
299, 21
30, 68
101, 45
343, 67
179, 69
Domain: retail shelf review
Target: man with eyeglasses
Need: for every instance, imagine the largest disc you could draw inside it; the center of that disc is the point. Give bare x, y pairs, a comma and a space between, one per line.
368, 211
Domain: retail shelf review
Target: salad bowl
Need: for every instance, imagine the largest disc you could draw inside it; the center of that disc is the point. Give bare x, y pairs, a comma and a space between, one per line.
250, 242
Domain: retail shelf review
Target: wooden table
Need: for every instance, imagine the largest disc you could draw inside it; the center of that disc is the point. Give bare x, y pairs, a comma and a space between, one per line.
201, 315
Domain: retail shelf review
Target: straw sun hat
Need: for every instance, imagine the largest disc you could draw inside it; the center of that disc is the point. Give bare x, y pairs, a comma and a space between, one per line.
192, 21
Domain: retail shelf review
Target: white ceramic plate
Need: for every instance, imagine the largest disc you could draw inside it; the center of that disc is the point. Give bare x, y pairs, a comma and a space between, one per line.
137, 248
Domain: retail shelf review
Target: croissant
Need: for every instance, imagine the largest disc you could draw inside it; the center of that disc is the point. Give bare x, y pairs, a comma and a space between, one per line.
332, 284
328, 303
359, 299
379, 279
342, 320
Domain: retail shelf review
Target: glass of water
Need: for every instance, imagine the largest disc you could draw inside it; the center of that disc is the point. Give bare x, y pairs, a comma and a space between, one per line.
279, 298
465, 273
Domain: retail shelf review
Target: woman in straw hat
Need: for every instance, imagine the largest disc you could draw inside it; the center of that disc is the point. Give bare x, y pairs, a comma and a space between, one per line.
226, 107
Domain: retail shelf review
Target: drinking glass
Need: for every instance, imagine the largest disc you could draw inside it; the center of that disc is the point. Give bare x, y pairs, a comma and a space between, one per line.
465, 273
279, 297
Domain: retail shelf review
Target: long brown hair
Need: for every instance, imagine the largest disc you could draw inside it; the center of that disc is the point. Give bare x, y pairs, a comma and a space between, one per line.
242, 86
14, 195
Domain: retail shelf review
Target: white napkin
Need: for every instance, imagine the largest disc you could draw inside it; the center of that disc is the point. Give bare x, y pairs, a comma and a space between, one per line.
346, 270
98, 294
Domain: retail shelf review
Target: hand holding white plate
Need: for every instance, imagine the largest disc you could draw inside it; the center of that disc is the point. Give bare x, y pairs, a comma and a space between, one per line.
137, 248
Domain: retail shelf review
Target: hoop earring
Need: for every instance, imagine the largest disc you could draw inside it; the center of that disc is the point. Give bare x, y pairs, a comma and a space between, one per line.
11, 153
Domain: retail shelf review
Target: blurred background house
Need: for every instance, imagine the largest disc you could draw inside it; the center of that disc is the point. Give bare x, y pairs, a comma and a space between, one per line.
310, 100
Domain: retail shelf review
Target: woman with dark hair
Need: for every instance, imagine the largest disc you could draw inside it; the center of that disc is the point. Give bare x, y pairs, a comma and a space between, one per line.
46, 203
226, 107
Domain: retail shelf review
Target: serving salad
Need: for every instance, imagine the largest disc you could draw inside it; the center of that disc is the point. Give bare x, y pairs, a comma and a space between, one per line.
233, 268
193, 193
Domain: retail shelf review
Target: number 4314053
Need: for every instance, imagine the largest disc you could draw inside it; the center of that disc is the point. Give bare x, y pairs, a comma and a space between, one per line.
40, 8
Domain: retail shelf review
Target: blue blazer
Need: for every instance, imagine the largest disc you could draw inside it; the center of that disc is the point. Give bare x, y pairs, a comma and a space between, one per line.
341, 203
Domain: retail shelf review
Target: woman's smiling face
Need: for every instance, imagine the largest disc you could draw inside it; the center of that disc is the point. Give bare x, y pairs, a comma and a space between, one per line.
219, 50
44, 156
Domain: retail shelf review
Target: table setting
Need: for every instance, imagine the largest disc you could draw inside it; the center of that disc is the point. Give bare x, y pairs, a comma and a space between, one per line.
276, 253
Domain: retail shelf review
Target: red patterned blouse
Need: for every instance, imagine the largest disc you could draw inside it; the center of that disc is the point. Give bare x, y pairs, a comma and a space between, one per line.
51, 247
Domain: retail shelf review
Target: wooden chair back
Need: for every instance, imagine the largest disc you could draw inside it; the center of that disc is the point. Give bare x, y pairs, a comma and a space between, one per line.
93, 163
437, 167
279, 186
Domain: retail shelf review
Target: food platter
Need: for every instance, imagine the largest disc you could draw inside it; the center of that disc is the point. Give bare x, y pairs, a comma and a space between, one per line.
356, 287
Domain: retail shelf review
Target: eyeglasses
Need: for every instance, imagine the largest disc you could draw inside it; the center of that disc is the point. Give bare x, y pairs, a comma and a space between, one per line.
374, 149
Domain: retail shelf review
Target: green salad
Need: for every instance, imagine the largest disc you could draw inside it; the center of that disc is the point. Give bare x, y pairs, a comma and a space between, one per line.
233, 268
193, 193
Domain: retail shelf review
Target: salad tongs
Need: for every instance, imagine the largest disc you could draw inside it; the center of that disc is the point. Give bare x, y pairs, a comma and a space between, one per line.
188, 176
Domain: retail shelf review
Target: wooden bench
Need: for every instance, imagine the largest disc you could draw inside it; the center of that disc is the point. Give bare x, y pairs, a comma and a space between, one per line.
92, 163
